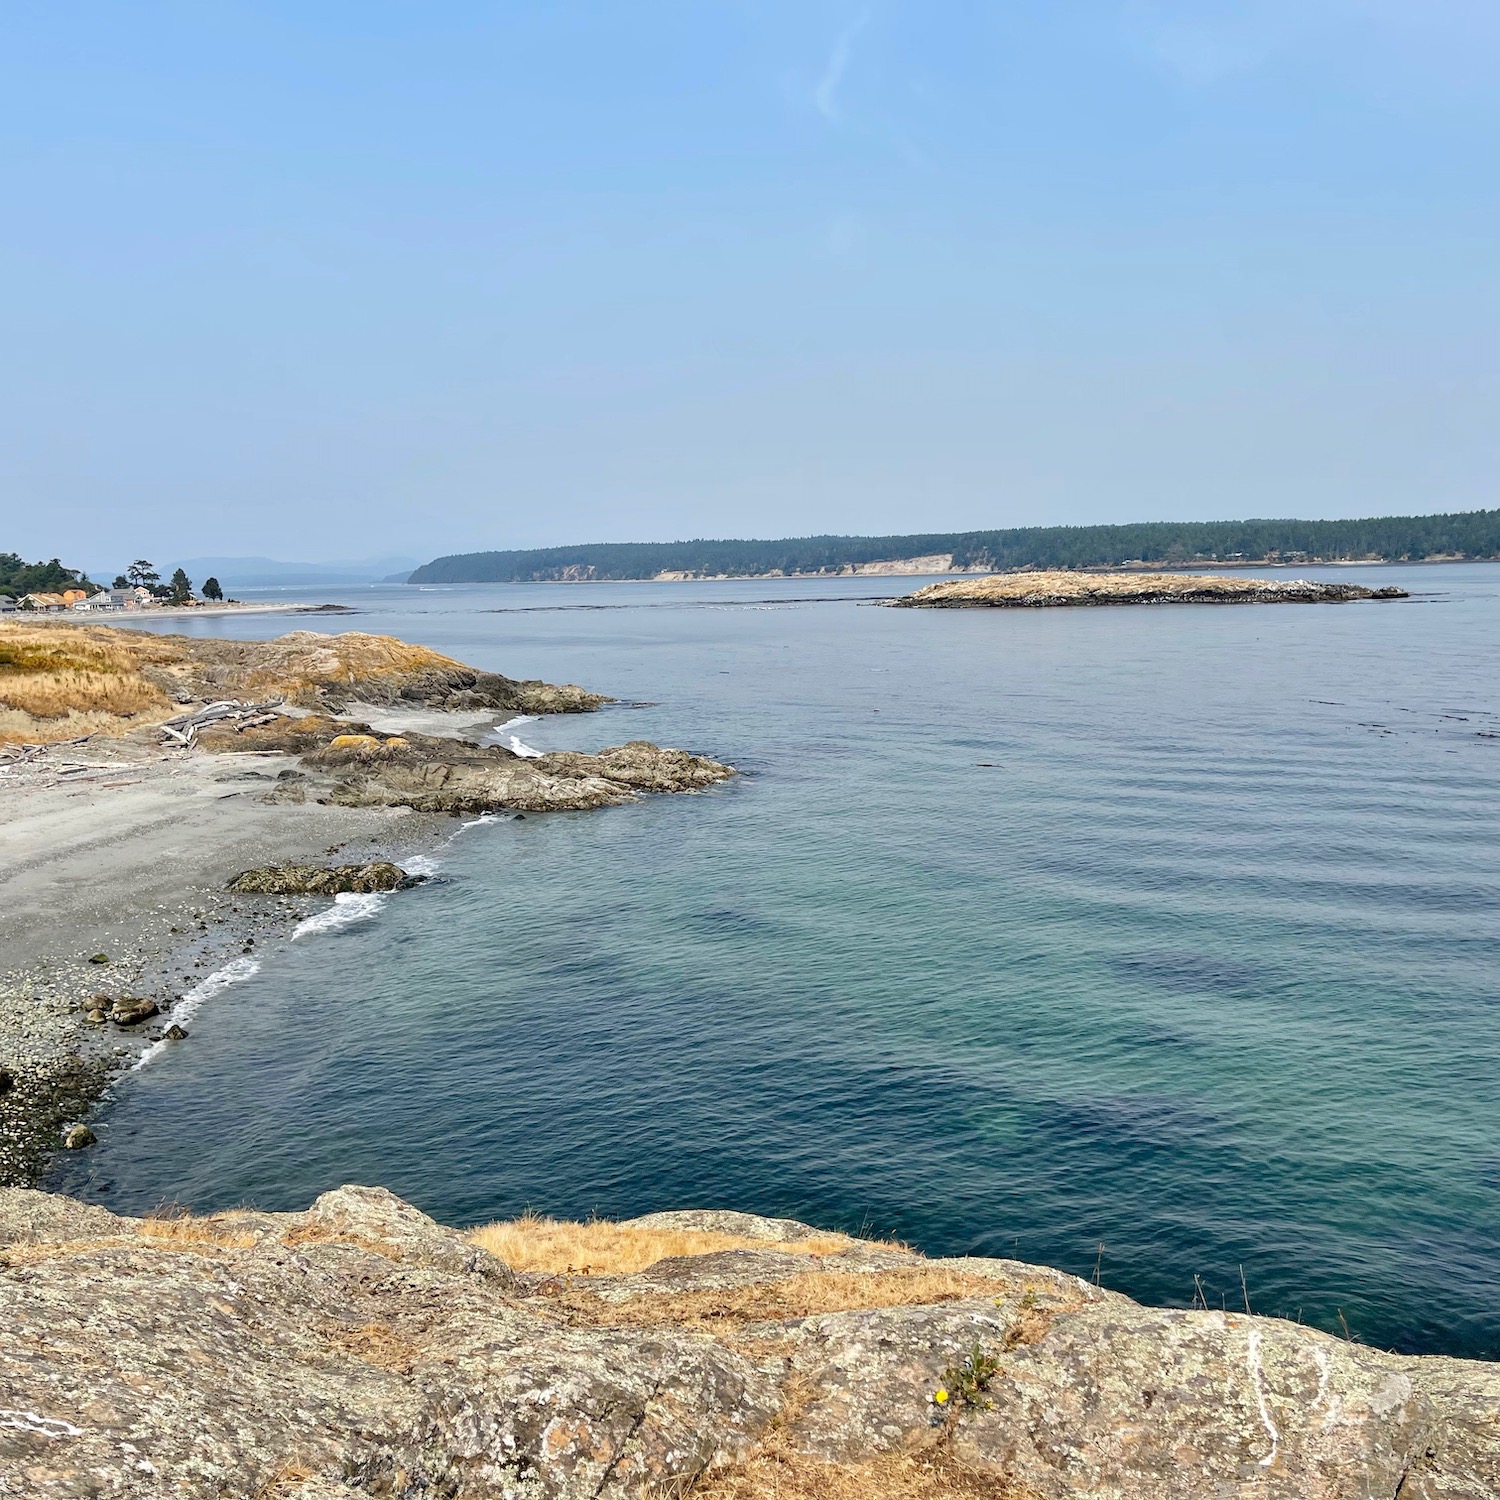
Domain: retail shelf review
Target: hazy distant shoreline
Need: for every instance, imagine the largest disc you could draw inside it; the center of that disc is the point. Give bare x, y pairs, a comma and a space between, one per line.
1137, 547
896, 571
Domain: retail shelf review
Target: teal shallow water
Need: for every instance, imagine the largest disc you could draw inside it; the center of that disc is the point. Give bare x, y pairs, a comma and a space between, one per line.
1173, 930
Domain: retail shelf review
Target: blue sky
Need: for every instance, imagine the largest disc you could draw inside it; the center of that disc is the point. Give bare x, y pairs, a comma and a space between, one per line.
332, 279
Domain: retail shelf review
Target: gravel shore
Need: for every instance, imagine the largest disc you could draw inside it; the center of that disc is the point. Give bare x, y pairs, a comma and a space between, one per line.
114, 857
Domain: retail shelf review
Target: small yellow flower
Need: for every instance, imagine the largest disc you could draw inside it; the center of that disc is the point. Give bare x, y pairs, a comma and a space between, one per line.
940, 1396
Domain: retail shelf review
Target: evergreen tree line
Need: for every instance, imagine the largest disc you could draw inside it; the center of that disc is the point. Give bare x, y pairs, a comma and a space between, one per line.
18, 577
1471, 534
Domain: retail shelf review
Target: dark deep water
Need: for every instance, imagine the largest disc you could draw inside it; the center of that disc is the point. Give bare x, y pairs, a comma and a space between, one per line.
1169, 929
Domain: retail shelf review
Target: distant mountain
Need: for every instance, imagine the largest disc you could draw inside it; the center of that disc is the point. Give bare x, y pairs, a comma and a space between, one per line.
1470, 534
268, 572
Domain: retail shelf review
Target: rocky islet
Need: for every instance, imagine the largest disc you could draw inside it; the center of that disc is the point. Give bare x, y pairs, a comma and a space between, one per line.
1067, 588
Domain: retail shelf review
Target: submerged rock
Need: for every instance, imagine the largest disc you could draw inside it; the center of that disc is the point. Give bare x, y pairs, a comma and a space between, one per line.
322, 880
78, 1137
360, 1349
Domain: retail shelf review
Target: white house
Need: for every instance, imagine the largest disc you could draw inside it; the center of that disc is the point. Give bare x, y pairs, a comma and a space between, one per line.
107, 599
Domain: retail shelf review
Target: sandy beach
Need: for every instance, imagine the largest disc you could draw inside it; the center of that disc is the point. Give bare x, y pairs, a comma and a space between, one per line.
127, 617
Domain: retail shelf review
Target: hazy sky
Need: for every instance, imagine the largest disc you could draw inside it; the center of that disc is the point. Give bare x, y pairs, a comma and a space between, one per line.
332, 279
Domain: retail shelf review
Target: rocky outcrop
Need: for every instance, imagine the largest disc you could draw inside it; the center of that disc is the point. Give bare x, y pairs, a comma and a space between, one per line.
330, 672
361, 1349
322, 880
60, 680
436, 774
451, 777
1050, 589
132, 1010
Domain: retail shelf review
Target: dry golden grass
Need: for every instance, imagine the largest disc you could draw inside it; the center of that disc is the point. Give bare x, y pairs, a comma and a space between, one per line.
291, 736
376, 1344
171, 1237
801, 1296
298, 665
53, 695
337, 1234
563, 1247
169, 1230
59, 679
285, 1482
188, 1231
775, 1470
54, 674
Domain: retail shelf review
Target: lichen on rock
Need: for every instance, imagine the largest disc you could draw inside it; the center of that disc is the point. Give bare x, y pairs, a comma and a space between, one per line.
361, 1349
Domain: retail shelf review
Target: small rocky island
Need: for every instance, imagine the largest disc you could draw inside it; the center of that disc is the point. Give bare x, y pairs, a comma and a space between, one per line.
1044, 590
361, 1349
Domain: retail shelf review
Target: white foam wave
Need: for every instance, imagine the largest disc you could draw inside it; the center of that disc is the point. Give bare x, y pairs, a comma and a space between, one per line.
216, 983
519, 719
480, 821
420, 864
348, 908
524, 751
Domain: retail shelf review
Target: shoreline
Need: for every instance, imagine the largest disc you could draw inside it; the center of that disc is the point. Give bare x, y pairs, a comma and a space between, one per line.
118, 845
130, 861
877, 571
719, 1353
121, 617
115, 880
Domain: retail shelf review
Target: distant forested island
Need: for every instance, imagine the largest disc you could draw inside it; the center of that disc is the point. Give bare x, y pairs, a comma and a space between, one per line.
1162, 544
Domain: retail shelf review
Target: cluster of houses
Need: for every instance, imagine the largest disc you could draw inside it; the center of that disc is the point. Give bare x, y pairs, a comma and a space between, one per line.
81, 600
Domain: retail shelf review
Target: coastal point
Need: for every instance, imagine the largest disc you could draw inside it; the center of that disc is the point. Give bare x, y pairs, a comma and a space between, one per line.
141, 776
750, 751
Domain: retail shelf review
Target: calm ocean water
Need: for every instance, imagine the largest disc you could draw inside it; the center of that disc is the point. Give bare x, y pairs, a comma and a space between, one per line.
1175, 931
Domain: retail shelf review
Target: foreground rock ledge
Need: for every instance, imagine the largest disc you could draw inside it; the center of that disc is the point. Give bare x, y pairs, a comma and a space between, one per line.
362, 1349
1042, 590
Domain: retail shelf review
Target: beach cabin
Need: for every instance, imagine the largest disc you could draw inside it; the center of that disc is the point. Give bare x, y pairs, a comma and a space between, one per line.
107, 599
43, 603
7, 605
